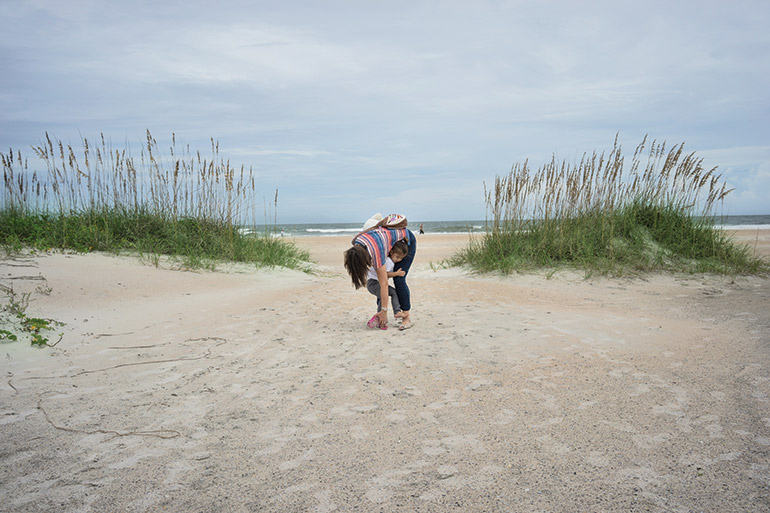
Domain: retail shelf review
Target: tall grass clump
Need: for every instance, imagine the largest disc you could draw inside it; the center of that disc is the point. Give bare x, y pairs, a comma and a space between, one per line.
602, 215
180, 204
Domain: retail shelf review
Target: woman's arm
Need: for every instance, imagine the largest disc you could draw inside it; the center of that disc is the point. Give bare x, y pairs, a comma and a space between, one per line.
382, 277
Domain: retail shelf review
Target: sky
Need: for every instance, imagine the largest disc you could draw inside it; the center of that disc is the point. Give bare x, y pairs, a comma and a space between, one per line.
355, 107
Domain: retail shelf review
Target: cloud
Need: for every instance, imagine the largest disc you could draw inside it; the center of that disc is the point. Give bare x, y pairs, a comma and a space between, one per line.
747, 170
246, 152
326, 98
751, 193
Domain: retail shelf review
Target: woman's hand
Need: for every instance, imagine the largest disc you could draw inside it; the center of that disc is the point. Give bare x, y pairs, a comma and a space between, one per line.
383, 315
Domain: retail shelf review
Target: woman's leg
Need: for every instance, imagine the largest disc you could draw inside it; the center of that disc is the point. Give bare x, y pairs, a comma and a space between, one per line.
402, 289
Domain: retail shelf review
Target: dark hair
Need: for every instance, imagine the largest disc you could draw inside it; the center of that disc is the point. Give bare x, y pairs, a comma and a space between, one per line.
357, 262
400, 247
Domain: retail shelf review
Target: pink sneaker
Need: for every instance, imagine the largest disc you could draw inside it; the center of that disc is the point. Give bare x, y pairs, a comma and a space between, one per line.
374, 322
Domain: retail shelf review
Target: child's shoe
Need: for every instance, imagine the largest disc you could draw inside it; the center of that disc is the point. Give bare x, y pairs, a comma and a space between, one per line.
374, 322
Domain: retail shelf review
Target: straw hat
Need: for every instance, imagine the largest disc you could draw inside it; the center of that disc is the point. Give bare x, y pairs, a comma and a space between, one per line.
376, 218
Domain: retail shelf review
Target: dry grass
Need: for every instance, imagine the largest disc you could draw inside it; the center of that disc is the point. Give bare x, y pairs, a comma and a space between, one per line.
181, 184
600, 184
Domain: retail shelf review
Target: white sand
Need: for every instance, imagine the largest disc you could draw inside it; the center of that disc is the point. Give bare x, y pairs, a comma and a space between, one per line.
264, 391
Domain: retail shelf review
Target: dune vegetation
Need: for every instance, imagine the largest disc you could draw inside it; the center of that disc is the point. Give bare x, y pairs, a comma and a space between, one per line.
603, 217
178, 204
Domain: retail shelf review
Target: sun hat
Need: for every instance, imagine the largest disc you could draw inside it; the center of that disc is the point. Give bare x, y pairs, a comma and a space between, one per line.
376, 218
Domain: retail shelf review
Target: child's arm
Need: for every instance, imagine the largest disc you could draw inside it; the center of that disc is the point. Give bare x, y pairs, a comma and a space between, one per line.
400, 272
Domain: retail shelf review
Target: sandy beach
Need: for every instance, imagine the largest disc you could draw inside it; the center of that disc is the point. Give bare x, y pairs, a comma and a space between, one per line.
249, 390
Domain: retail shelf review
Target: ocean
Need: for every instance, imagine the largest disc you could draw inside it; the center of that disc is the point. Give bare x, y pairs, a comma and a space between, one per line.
751, 222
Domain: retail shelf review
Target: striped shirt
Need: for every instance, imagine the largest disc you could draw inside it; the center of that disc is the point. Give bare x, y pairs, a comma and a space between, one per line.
378, 243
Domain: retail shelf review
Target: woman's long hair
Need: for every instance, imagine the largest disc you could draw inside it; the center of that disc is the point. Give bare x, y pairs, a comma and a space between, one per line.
357, 262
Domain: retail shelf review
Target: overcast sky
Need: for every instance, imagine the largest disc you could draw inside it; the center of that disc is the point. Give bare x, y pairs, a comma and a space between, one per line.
352, 107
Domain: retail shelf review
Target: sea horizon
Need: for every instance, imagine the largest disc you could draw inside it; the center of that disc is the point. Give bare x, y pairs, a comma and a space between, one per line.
737, 222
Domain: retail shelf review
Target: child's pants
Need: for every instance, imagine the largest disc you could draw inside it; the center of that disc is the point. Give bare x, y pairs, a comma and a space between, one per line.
373, 286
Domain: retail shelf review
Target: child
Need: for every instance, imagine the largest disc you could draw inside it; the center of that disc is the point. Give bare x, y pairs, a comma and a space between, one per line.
397, 253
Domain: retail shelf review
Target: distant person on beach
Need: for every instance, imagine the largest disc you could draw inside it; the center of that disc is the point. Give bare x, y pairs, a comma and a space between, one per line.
421, 230
397, 253
370, 248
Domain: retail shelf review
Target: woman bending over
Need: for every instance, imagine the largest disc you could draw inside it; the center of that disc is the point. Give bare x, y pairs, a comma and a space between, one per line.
369, 250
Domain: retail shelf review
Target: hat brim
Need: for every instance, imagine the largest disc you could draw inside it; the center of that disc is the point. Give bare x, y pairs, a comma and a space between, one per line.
372, 221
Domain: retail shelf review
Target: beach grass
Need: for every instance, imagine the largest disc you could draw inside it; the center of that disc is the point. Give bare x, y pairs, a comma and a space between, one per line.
599, 217
178, 204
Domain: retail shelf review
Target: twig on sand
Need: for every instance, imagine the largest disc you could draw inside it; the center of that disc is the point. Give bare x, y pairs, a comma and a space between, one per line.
208, 353
162, 433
